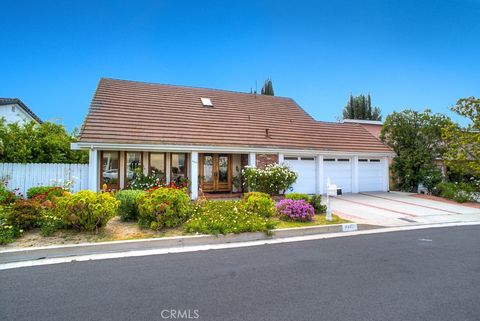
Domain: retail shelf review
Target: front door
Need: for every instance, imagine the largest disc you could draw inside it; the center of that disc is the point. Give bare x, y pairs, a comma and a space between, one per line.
215, 172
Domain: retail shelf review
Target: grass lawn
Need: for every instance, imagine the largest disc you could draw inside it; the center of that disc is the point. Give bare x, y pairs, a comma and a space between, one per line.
319, 219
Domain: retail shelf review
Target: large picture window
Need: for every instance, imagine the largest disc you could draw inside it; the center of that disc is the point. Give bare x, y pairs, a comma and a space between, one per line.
179, 167
109, 170
157, 165
133, 162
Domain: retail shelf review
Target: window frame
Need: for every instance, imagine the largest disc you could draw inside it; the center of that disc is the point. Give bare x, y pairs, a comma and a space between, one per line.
100, 170
164, 163
125, 178
171, 165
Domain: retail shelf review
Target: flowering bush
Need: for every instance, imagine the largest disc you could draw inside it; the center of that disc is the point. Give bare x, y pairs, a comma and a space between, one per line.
86, 210
296, 210
222, 217
49, 192
273, 179
146, 182
7, 196
315, 200
163, 207
128, 209
259, 203
461, 192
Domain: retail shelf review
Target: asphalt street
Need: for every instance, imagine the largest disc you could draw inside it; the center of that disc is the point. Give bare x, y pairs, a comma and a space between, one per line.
431, 274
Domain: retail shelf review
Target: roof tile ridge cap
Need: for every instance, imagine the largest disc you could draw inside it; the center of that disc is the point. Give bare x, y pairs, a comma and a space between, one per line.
192, 87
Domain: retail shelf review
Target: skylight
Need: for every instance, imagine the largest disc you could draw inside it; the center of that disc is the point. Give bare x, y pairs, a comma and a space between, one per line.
206, 102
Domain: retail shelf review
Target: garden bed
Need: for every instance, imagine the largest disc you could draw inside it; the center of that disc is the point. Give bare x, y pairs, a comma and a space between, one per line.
445, 200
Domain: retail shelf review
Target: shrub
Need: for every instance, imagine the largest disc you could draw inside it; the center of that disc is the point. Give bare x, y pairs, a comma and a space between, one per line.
51, 222
272, 180
316, 202
24, 214
47, 191
8, 232
296, 210
460, 192
259, 203
222, 217
163, 207
86, 210
128, 209
6, 196
297, 196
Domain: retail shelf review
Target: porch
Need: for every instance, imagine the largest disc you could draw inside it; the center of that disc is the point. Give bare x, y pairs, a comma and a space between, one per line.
215, 175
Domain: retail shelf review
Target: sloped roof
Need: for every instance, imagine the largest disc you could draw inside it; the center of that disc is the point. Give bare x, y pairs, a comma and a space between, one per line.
16, 101
145, 113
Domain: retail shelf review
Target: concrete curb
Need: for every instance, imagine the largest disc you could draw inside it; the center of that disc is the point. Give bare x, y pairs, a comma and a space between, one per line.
38, 253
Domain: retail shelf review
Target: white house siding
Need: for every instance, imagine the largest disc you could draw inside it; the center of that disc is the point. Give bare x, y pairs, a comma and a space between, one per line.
13, 113
24, 176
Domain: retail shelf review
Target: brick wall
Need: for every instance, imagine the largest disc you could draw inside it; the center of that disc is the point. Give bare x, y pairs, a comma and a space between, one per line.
266, 159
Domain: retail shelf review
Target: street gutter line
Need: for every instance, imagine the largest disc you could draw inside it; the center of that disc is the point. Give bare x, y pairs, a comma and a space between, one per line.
186, 249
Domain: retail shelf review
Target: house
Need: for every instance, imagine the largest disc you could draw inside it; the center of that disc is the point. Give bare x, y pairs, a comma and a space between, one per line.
13, 110
209, 135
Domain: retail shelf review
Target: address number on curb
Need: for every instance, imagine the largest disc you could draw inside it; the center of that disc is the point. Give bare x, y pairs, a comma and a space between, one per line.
350, 227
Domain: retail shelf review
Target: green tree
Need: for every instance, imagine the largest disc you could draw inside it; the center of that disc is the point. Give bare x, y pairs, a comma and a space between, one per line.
416, 138
360, 107
34, 143
462, 154
267, 88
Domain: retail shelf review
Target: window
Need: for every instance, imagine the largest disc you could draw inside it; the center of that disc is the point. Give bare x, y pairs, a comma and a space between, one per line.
375, 160
133, 163
290, 158
179, 167
363, 160
157, 165
13, 109
329, 159
109, 174
206, 102
343, 160
307, 158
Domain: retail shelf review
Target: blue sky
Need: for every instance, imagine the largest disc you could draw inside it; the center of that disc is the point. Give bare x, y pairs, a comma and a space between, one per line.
406, 54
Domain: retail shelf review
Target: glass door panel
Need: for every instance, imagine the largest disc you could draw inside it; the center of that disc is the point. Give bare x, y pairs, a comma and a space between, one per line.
207, 172
223, 177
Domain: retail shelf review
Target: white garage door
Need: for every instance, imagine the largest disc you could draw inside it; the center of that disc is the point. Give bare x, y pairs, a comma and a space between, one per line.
339, 170
370, 176
305, 167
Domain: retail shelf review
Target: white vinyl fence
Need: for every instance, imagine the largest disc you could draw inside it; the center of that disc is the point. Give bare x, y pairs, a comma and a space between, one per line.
24, 176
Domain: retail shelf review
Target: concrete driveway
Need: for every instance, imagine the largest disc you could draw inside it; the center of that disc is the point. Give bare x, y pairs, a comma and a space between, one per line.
398, 209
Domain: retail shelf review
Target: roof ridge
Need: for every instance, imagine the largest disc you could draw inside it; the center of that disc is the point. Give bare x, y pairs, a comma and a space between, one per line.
192, 87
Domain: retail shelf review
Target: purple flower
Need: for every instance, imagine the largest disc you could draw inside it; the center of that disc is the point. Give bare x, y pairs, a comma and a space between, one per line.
297, 210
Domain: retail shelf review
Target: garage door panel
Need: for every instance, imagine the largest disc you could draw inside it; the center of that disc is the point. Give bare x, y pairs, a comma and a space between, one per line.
340, 174
305, 169
370, 176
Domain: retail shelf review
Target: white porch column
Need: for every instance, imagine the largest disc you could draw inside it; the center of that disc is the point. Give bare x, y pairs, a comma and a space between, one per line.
319, 174
93, 172
386, 174
168, 168
252, 159
281, 158
355, 174
145, 163
194, 175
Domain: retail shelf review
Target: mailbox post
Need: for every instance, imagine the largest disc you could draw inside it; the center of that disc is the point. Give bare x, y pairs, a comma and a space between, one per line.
332, 190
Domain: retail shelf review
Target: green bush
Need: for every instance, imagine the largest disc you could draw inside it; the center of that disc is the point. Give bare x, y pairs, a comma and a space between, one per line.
163, 207
273, 179
24, 214
48, 192
222, 217
315, 200
460, 192
259, 203
8, 232
51, 222
6, 196
128, 209
86, 210
297, 196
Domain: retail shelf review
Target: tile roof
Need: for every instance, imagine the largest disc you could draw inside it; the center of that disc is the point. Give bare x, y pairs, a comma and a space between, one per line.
144, 113
16, 101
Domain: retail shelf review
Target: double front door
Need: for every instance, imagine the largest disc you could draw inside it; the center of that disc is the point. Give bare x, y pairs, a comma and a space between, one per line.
215, 172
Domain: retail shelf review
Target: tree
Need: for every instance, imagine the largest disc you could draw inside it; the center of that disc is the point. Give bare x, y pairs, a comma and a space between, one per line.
34, 143
462, 154
267, 88
416, 138
360, 107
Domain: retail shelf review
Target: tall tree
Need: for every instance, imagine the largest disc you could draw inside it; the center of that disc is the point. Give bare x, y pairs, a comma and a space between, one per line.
34, 143
360, 107
416, 138
267, 88
462, 154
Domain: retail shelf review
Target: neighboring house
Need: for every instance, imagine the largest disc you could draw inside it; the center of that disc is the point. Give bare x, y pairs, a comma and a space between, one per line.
13, 110
209, 135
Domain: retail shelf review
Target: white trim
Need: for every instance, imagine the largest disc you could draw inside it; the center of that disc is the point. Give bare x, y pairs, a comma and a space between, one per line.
194, 175
93, 172
319, 174
223, 149
362, 121
281, 158
355, 176
168, 167
252, 160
